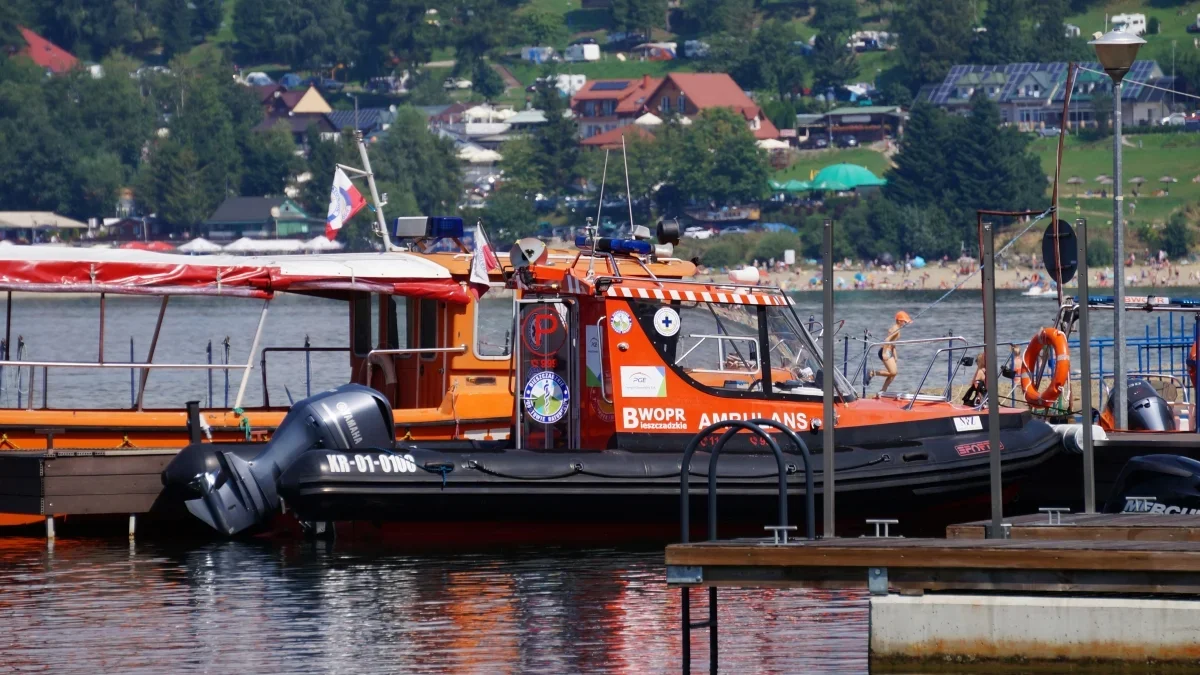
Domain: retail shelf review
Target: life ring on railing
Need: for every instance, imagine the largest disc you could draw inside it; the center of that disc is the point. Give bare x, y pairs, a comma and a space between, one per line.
1057, 339
1191, 364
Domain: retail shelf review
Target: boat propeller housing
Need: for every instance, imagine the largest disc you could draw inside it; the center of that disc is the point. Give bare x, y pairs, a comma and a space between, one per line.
232, 494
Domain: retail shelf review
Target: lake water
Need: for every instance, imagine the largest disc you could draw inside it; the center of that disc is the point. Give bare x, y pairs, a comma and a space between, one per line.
87, 606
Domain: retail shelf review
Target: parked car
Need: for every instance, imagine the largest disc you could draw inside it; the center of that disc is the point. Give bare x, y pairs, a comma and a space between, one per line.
1049, 132
697, 232
258, 79
291, 81
847, 142
736, 229
1174, 120
456, 83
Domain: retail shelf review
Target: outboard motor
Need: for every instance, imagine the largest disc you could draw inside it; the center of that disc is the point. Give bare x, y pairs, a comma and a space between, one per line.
232, 494
1147, 411
1166, 484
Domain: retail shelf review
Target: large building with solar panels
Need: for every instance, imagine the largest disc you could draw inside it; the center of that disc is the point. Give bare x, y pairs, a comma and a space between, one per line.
1030, 95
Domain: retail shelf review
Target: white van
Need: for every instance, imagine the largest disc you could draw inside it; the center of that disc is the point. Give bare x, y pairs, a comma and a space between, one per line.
1129, 23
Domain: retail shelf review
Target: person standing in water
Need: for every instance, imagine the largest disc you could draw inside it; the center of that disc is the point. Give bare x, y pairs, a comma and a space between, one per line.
887, 353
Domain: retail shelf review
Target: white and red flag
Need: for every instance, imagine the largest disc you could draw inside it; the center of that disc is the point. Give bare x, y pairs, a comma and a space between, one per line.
344, 201
483, 260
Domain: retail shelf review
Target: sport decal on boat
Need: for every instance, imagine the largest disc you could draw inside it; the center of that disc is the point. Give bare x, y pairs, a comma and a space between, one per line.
546, 397
972, 423
644, 381
666, 321
621, 322
385, 463
972, 449
594, 360
542, 331
654, 418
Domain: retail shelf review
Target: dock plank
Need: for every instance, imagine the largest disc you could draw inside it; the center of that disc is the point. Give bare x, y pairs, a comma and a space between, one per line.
1091, 527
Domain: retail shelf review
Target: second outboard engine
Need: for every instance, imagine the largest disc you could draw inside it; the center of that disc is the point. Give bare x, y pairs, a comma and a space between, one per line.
232, 494
1166, 484
1147, 411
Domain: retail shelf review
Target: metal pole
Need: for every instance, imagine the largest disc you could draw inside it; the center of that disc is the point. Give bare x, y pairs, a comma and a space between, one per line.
989, 340
307, 367
100, 349
1120, 385
829, 420
379, 221
132, 384
1085, 370
208, 353
162, 310
1196, 384
262, 319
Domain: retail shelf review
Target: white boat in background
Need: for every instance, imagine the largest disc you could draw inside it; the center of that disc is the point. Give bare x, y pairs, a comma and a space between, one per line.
1040, 291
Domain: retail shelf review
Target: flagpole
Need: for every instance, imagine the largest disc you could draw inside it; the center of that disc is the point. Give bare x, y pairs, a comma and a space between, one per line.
380, 223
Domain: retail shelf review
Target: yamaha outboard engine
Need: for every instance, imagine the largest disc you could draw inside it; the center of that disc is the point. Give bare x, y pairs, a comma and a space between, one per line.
1166, 484
1146, 410
232, 494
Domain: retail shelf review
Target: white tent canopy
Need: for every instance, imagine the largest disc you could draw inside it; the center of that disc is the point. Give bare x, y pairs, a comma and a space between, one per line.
772, 144
38, 220
648, 120
200, 245
320, 243
248, 245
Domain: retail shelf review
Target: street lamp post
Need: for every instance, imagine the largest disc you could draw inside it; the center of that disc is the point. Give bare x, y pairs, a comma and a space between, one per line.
1116, 51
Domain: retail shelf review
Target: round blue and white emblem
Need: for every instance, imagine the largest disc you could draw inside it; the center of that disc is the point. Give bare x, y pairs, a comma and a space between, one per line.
666, 322
546, 397
621, 322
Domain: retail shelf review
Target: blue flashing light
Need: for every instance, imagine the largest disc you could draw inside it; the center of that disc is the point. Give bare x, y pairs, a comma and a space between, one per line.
444, 227
582, 241
630, 246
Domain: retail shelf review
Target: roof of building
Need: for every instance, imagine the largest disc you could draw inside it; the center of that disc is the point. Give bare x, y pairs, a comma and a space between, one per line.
253, 210
528, 117
611, 139
1053, 76
298, 123
866, 110
38, 220
630, 95
45, 53
1148, 95
368, 118
809, 120
718, 90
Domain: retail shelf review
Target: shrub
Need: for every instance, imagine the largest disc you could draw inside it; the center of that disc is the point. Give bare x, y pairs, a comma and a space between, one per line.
721, 254
1099, 252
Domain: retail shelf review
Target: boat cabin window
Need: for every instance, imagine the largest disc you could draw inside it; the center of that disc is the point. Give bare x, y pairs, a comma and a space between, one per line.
752, 351
427, 338
366, 324
493, 327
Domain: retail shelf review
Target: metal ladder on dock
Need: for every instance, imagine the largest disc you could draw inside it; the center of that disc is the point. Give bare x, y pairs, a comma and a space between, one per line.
731, 429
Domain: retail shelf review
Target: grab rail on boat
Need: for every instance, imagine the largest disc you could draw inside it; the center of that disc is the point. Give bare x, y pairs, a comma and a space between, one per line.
369, 362
862, 360
949, 388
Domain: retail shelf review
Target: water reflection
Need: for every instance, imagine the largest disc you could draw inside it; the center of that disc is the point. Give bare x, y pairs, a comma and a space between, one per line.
88, 606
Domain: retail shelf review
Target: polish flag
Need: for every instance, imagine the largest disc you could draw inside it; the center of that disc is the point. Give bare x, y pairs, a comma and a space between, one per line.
344, 201
483, 260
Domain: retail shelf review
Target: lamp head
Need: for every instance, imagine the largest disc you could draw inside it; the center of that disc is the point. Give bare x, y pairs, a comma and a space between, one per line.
1117, 51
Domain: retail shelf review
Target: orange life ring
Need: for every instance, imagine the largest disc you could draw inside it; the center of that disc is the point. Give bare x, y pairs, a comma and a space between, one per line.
1062, 367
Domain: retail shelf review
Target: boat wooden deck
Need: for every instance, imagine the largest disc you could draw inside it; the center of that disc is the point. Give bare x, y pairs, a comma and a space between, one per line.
918, 565
87, 482
1090, 527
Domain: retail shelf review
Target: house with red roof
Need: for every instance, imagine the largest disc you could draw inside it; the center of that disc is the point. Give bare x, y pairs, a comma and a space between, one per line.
45, 53
605, 105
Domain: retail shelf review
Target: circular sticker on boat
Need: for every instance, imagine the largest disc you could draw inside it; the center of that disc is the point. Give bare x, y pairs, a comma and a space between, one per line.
546, 397
666, 322
621, 322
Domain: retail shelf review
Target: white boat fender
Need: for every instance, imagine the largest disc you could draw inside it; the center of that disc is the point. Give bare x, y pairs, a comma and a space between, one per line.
1072, 435
205, 427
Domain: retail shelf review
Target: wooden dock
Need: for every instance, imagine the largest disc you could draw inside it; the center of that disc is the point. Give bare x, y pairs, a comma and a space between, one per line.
1089, 527
81, 482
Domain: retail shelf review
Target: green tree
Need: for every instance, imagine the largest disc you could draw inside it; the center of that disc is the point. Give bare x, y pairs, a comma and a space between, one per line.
832, 63
722, 16
556, 160
254, 26
207, 17
1004, 41
1102, 105
717, 160
735, 56
509, 216
177, 27
400, 35
425, 89
835, 16
487, 82
781, 113
544, 28
638, 15
1177, 238
98, 178
935, 35
721, 254
269, 162
173, 186
783, 71
919, 176
418, 163
1050, 41
315, 34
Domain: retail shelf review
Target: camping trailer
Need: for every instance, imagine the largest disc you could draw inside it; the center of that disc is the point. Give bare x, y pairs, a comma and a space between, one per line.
1129, 23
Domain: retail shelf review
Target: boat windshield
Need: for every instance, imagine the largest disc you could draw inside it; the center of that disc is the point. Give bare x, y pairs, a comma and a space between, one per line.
719, 347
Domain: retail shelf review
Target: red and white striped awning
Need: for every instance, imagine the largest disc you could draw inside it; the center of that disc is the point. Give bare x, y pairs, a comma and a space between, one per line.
733, 296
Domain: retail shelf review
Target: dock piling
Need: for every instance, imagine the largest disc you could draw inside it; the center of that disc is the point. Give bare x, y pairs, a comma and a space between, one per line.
1085, 369
829, 418
989, 339
50, 528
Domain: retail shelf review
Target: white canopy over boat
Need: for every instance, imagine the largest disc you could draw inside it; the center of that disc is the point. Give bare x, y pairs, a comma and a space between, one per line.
131, 271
